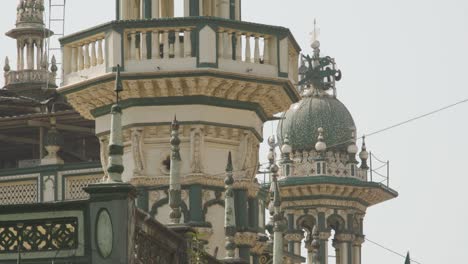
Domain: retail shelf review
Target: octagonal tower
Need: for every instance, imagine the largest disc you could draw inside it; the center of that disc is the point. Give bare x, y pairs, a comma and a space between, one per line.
324, 188
222, 77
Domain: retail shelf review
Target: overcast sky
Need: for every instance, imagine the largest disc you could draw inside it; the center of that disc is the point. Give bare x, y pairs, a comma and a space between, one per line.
399, 59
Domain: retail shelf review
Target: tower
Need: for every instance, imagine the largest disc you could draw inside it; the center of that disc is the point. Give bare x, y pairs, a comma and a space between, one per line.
32, 76
324, 189
222, 77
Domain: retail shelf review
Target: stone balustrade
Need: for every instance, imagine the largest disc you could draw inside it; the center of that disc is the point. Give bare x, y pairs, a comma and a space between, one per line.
85, 57
158, 43
181, 44
246, 46
30, 77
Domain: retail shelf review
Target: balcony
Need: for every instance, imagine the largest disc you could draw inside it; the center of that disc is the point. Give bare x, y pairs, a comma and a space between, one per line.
181, 44
23, 77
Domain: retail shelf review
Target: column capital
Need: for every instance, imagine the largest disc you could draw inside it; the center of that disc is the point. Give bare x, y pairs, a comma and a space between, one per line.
359, 240
294, 236
345, 237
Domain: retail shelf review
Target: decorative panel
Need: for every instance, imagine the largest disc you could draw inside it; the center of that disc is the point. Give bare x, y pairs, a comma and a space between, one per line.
18, 192
39, 235
74, 186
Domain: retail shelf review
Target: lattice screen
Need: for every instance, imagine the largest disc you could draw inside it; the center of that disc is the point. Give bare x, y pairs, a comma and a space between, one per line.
18, 192
74, 186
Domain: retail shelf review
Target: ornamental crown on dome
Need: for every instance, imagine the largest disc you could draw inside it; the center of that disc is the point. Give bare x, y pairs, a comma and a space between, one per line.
320, 73
30, 11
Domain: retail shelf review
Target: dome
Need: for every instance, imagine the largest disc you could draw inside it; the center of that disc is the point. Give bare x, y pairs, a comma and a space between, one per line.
304, 118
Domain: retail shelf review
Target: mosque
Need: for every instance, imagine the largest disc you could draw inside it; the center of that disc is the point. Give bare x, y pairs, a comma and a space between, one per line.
148, 149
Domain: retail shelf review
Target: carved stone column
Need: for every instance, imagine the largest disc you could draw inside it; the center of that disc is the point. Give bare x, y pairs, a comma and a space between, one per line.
343, 245
357, 246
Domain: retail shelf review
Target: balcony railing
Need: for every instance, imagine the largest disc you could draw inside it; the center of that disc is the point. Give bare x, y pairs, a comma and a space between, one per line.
180, 44
30, 77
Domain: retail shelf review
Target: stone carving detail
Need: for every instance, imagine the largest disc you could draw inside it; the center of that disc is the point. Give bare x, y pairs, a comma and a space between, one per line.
137, 150
30, 11
196, 149
49, 189
104, 154
248, 155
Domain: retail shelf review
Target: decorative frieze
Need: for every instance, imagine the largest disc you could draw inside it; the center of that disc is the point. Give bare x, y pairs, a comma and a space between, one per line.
271, 97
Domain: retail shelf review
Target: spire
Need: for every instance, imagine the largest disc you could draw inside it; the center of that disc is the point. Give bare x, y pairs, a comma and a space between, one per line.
229, 211
408, 259
364, 155
174, 174
278, 218
115, 167
6, 68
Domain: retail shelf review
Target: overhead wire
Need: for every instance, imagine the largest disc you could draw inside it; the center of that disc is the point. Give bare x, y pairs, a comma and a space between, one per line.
391, 250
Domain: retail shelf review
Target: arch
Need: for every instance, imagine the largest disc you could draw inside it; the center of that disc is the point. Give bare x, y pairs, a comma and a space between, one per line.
210, 203
336, 222
306, 222
183, 206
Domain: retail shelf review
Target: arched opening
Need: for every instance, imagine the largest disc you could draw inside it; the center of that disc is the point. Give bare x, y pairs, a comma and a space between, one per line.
336, 225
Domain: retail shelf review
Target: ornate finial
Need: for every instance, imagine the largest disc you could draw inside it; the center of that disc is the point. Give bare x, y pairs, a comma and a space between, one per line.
364, 155
408, 258
53, 67
229, 211
53, 143
271, 152
6, 68
118, 83
229, 163
321, 73
320, 146
286, 148
352, 148
315, 42
175, 195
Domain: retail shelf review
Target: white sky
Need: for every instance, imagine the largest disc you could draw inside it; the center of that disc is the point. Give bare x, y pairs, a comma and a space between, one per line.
399, 59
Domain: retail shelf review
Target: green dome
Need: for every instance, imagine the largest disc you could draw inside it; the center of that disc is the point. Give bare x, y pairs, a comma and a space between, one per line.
303, 119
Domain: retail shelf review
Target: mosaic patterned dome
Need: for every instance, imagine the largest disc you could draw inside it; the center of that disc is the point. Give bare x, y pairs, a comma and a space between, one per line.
304, 118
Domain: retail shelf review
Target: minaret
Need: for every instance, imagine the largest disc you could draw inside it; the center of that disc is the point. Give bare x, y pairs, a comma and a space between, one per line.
116, 149
174, 182
229, 211
326, 192
32, 72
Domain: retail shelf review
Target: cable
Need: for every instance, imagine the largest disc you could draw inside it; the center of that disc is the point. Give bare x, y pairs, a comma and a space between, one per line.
417, 117
402, 123
392, 251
